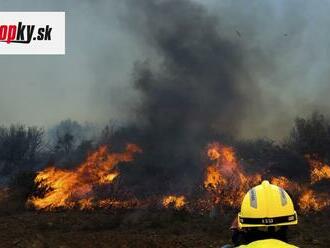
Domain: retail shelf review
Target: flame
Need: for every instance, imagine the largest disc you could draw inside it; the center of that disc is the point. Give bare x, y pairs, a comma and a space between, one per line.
86, 204
213, 177
109, 178
177, 202
308, 199
71, 188
286, 184
311, 201
225, 179
319, 170
227, 182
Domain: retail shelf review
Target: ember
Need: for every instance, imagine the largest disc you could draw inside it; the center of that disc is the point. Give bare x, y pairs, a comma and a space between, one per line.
177, 202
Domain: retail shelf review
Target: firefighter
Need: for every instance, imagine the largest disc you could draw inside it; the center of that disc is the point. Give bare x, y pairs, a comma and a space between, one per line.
266, 212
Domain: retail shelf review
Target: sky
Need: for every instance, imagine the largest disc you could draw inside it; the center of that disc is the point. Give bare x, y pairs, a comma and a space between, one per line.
285, 46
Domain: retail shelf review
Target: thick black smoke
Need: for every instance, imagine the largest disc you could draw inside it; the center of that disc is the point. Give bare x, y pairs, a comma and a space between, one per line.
192, 89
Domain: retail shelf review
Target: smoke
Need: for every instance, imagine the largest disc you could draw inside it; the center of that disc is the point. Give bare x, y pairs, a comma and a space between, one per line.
198, 86
283, 49
193, 89
205, 70
44, 90
280, 47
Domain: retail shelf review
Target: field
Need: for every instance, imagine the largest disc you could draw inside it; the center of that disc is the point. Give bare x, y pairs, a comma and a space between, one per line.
138, 228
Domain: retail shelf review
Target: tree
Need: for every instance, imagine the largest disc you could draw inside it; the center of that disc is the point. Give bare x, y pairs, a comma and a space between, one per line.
65, 142
107, 134
68, 134
311, 136
19, 146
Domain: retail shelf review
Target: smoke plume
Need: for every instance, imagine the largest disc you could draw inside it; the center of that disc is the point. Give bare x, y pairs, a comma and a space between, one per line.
195, 88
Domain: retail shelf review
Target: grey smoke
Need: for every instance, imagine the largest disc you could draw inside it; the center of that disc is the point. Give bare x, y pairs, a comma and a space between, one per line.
288, 74
194, 90
201, 81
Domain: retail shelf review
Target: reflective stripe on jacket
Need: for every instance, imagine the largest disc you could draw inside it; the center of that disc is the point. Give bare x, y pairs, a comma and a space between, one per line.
268, 243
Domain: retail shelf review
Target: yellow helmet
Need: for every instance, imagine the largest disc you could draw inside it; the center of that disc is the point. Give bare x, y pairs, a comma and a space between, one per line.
267, 205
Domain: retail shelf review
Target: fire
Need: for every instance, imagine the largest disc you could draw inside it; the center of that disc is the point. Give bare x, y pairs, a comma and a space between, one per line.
177, 202
309, 200
227, 182
225, 179
282, 182
109, 178
86, 204
286, 184
75, 188
213, 178
319, 170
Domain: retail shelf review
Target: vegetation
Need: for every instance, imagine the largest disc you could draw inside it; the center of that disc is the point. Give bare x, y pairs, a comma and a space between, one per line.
26, 149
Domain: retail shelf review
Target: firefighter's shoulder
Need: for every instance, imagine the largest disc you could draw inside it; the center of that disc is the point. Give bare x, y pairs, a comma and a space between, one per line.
269, 243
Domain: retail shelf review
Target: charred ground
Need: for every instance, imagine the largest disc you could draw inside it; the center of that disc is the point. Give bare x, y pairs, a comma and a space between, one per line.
138, 228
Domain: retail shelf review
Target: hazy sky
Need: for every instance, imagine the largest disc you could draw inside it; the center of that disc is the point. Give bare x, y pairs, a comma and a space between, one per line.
286, 45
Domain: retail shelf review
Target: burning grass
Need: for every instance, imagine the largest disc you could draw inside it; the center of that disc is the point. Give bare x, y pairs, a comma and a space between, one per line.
175, 220
225, 179
178, 202
319, 170
225, 183
75, 188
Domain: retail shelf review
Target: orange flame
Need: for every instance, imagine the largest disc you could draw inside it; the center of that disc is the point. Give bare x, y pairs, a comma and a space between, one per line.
71, 188
286, 184
319, 170
177, 202
225, 180
310, 201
